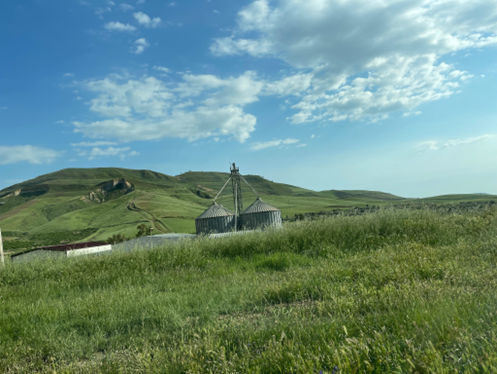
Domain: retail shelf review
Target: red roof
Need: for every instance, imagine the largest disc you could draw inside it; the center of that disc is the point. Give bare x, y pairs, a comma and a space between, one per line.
70, 247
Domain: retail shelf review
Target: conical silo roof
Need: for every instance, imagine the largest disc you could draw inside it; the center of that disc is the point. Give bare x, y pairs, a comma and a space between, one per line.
260, 206
216, 210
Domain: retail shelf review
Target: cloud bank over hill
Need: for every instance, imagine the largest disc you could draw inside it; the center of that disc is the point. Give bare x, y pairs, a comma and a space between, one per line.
366, 58
347, 60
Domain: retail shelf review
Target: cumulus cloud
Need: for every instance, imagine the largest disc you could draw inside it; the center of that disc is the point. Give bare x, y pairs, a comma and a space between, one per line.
140, 45
29, 153
432, 145
147, 108
118, 26
363, 64
272, 143
125, 7
93, 144
122, 153
162, 69
144, 20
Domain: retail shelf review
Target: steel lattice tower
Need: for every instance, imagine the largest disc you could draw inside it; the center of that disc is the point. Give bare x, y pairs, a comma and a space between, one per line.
237, 193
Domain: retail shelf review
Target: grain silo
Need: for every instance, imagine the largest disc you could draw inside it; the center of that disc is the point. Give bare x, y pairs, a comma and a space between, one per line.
260, 215
215, 219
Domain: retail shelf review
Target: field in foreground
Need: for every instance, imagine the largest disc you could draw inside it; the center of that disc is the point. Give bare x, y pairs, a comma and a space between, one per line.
390, 292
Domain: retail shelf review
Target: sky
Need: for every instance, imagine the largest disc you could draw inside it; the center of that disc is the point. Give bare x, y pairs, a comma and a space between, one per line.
397, 96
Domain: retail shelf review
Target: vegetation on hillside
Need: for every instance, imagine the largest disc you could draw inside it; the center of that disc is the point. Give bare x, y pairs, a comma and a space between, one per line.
76, 200
387, 292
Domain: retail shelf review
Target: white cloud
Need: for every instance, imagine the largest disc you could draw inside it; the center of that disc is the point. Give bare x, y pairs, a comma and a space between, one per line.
171, 4
148, 108
100, 11
125, 7
110, 151
68, 75
29, 153
144, 20
365, 59
292, 85
273, 143
93, 144
140, 2
301, 145
432, 145
140, 45
118, 26
3, 108
163, 69
60, 121
408, 114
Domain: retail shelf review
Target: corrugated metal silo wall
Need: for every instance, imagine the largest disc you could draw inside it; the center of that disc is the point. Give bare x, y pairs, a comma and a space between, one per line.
214, 224
261, 219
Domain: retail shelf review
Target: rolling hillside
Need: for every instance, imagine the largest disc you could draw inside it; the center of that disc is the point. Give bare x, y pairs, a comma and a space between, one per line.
93, 204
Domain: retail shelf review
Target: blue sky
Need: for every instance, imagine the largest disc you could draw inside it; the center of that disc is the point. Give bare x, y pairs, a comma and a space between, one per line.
398, 95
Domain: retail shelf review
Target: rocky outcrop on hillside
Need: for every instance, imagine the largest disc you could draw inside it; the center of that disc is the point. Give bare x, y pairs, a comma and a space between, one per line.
13, 194
110, 190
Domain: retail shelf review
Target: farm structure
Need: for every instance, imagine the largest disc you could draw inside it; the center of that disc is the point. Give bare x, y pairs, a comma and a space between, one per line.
260, 214
62, 250
218, 219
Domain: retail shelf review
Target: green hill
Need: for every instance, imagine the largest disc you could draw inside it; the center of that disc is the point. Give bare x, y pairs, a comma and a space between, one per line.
93, 204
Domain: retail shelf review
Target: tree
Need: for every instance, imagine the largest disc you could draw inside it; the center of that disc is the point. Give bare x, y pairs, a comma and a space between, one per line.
116, 238
143, 230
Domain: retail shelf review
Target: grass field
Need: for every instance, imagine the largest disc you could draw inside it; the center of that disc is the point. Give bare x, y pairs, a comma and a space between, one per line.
395, 291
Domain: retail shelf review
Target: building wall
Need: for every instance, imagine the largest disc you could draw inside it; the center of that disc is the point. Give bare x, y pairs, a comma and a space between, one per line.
90, 250
215, 224
261, 219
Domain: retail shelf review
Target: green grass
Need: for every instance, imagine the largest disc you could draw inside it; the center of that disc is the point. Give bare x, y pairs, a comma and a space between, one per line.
396, 291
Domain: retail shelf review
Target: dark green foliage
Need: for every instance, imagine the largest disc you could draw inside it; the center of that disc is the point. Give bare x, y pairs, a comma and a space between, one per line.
116, 238
143, 230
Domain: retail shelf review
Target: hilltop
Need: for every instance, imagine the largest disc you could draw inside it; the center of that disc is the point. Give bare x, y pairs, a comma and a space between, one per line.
93, 204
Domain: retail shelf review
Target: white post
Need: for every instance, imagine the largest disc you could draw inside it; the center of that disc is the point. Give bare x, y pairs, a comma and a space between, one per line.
1, 249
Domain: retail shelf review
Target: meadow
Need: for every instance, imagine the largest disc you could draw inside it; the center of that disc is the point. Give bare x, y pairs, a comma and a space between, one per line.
392, 291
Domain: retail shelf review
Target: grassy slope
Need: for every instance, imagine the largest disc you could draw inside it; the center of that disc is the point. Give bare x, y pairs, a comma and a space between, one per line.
395, 291
52, 201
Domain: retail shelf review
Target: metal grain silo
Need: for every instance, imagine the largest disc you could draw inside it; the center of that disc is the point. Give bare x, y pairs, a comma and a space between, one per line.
259, 215
215, 219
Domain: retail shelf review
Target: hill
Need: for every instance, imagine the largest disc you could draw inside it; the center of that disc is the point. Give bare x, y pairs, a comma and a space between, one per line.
93, 204
397, 291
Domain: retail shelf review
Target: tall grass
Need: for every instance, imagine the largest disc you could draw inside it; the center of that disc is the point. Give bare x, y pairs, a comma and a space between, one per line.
389, 292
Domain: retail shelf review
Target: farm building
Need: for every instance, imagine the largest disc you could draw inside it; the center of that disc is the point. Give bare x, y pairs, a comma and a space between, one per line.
260, 214
215, 219
62, 250
218, 220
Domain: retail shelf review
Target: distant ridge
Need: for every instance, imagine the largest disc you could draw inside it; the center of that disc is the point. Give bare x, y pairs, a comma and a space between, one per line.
94, 203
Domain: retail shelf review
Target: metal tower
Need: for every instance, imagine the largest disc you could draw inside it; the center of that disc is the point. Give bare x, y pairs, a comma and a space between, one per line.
237, 193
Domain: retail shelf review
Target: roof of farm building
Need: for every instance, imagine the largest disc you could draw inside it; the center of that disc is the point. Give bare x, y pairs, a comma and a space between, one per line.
259, 206
216, 210
70, 247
